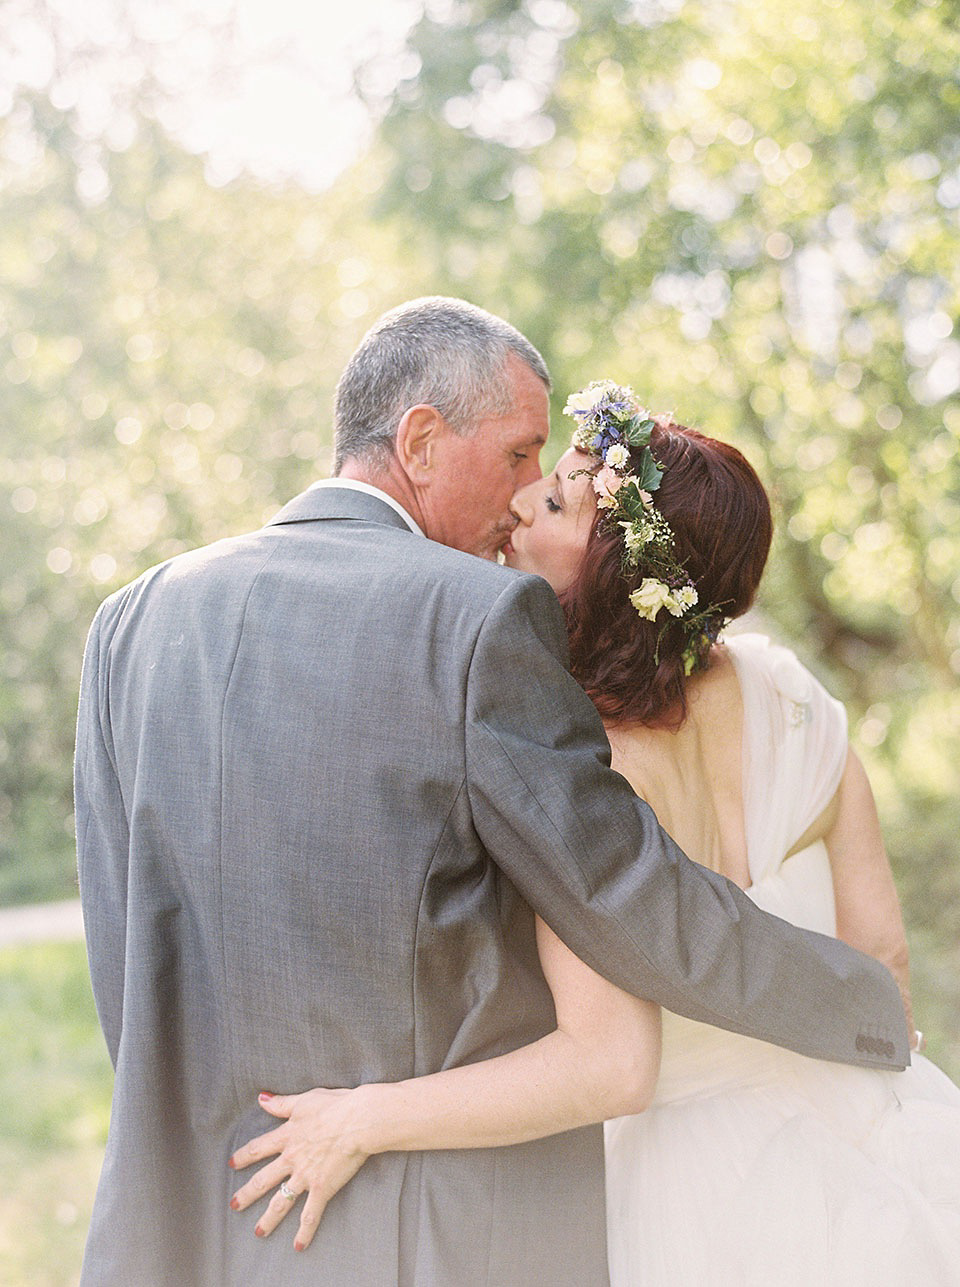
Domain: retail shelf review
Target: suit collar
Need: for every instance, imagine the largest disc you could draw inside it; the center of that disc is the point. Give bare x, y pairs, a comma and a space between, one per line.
330, 502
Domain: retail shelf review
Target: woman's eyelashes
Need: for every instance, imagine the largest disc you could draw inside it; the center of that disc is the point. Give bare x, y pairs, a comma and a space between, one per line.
552, 505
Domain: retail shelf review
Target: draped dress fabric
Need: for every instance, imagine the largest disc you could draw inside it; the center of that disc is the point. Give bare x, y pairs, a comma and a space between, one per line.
755, 1165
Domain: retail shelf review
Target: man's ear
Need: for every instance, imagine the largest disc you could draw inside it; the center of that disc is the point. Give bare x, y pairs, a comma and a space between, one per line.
419, 436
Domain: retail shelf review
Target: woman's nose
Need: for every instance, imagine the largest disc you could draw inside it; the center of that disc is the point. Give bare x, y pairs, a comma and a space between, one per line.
520, 506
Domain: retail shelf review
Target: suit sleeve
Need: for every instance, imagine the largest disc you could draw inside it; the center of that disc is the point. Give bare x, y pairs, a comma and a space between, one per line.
102, 838
591, 859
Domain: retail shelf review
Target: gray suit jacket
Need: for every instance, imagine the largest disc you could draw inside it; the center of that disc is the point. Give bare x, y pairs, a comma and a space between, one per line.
324, 771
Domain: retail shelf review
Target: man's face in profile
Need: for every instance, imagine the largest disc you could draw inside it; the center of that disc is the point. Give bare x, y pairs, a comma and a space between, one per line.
469, 502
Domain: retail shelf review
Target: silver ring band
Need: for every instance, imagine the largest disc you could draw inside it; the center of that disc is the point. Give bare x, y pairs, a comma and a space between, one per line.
287, 1192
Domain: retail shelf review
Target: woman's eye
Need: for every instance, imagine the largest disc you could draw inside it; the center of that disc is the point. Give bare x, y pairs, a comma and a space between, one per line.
551, 505
519, 455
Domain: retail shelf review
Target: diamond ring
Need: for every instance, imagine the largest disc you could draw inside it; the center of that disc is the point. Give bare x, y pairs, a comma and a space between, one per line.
287, 1192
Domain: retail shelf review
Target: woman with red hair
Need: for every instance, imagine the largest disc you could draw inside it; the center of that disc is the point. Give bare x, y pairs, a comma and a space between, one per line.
750, 1164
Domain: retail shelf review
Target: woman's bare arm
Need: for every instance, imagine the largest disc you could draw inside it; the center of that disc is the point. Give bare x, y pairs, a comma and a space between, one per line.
601, 1061
868, 908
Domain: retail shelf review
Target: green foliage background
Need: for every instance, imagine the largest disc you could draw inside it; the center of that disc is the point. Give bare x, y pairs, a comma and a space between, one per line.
56, 1082
747, 211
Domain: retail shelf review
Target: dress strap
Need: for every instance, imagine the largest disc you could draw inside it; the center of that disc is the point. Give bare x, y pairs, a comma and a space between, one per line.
794, 748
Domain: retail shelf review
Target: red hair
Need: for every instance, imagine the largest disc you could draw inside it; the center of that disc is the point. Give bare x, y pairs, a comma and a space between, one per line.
632, 668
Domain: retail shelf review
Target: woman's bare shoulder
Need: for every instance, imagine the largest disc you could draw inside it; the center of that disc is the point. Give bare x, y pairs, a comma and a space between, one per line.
692, 776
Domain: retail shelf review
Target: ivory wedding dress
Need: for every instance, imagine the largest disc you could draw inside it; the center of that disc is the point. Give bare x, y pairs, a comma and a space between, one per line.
756, 1167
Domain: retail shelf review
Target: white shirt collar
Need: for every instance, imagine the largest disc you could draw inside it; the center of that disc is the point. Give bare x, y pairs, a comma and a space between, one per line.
354, 484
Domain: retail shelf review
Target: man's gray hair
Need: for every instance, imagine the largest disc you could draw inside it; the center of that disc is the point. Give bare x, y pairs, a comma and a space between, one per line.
437, 351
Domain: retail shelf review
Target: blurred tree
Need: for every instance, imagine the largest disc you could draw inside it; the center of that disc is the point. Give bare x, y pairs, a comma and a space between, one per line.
169, 352
750, 213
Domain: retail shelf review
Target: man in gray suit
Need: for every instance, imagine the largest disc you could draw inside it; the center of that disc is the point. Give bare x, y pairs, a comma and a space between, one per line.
324, 772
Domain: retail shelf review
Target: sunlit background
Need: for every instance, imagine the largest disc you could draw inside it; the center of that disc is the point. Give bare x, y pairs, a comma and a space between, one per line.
748, 209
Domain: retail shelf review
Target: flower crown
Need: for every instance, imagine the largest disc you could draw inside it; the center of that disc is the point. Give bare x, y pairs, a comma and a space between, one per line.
610, 423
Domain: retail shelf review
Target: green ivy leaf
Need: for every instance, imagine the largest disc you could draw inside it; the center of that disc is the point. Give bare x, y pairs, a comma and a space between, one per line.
637, 431
649, 474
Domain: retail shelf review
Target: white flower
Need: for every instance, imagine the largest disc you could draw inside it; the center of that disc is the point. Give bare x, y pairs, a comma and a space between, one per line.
635, 537
606, 483
581, 401
680, 600
588, 398
617, 456
649, 597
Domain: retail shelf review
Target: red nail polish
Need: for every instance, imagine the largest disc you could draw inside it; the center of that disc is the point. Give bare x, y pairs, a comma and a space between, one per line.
235, 1204
259, 1232
265, 1094
231, 1163
298, 1246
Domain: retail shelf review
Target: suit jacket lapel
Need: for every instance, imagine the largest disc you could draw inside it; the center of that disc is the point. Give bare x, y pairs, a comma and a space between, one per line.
319, 503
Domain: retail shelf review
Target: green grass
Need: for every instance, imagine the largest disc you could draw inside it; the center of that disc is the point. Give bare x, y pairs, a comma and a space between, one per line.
55, 1086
